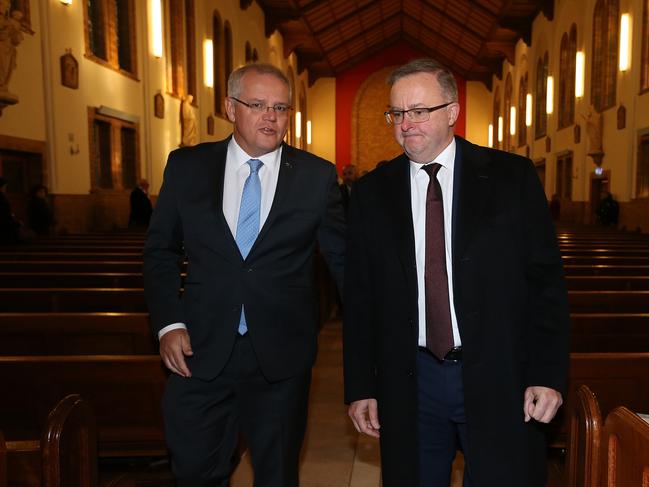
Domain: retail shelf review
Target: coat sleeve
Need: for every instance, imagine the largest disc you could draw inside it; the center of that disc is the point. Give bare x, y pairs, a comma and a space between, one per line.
549, 316
331, 233
358, 335
164, 255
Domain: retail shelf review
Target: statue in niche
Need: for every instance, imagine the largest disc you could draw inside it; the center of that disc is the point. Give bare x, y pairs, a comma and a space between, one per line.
594, 128
159, 105
69, 70
10, 37
188, 122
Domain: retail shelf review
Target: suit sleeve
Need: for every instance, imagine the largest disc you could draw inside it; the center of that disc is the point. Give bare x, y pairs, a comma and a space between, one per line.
549, 316
331, 234
358, 336
163, 255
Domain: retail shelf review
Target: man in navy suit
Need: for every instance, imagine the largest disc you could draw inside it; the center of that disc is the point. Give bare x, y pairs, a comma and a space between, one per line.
246, 213
456, 315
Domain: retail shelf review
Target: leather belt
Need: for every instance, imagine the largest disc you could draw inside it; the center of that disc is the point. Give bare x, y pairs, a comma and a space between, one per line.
453, 355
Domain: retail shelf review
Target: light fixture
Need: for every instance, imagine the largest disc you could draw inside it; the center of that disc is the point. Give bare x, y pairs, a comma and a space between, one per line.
156, 28
500, 129
625, 46
512, 120
580, 66
490, 137
549, 100
528, 110
308, 132
66, 2
208, 60
298, 125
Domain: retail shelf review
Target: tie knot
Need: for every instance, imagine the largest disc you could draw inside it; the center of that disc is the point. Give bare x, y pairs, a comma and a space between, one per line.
432, 169
254, 164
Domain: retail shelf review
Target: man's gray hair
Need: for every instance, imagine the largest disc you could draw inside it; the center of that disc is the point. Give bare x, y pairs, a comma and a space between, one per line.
444, 76
234, 81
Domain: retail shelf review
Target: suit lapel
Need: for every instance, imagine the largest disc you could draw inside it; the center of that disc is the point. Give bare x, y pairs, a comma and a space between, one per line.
219, 157
470, 193
284, 183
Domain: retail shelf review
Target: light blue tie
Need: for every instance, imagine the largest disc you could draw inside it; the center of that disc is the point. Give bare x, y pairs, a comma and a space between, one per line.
248, 223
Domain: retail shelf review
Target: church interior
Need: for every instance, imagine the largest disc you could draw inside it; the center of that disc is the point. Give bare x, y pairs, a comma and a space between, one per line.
94, 95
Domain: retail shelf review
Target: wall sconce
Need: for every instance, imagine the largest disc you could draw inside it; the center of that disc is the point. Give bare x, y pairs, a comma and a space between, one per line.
490, 136
549, 100
308, 132
156, 28
580, 68
500, 129
66, 2
512, 121
625, 45
208, 60
298, 125
528, 110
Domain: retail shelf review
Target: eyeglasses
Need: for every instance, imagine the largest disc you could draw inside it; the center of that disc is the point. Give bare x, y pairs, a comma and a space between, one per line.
257, 106
416, 115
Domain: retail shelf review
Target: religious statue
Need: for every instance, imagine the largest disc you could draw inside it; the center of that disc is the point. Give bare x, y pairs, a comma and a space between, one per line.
188, 120
10, 37
594, 129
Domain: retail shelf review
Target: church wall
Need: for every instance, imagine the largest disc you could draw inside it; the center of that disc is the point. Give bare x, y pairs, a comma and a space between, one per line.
619, 144
323, 118
477, 111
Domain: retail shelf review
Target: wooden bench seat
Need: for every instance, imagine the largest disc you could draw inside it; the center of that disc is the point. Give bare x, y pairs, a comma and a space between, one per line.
70, 265
606, 270
72, 279
635, 260
608, 301
79, 256
76, 334
72, 299
609, 332
605, 283
124, 392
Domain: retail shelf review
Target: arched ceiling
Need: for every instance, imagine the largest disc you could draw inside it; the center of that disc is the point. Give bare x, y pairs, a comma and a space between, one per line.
471, 37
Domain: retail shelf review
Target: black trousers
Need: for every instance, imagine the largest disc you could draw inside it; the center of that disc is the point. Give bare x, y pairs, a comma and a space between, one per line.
203, 420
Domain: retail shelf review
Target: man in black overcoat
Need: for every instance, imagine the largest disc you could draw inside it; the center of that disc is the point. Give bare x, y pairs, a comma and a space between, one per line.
456, 315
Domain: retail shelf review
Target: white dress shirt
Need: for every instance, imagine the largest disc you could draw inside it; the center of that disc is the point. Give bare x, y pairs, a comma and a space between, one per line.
236, 172
418, 188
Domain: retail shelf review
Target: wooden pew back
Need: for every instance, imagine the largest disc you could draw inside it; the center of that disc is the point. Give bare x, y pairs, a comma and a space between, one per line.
584, 443
625, 458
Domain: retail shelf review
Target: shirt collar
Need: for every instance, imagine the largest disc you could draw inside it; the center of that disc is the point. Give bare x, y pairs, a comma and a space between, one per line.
446, 159
270, 159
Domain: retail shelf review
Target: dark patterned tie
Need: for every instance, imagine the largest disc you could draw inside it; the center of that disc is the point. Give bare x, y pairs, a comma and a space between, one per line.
439, 331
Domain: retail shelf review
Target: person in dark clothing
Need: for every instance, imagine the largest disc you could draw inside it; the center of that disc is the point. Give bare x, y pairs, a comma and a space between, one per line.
9, 224
555, 207
350, 175
39, 211
141, 207
608, 210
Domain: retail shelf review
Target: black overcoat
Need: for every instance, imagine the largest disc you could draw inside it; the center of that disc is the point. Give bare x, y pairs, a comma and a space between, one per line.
509, 297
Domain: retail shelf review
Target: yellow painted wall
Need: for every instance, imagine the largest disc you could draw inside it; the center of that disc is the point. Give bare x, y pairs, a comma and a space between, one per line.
322, 109
478, 110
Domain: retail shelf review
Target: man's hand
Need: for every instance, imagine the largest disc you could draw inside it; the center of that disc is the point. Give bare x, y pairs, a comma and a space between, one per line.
541, 403
174, 346
365, 416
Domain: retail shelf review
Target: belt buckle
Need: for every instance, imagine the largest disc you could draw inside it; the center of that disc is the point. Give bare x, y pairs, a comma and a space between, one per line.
454, 354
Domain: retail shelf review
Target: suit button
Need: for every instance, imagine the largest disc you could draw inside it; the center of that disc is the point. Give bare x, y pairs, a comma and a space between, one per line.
410, 373
249, 269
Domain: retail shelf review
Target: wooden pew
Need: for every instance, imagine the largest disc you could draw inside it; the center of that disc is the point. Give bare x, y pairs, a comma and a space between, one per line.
3, 461
63, 455
602, 283
634, 260
72, 299
79, 256
70, 265
590, 251
584, 445
76, 334
606, 270
625, 456
72, 279
608, 301
609, 332
124, 391
614, 378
